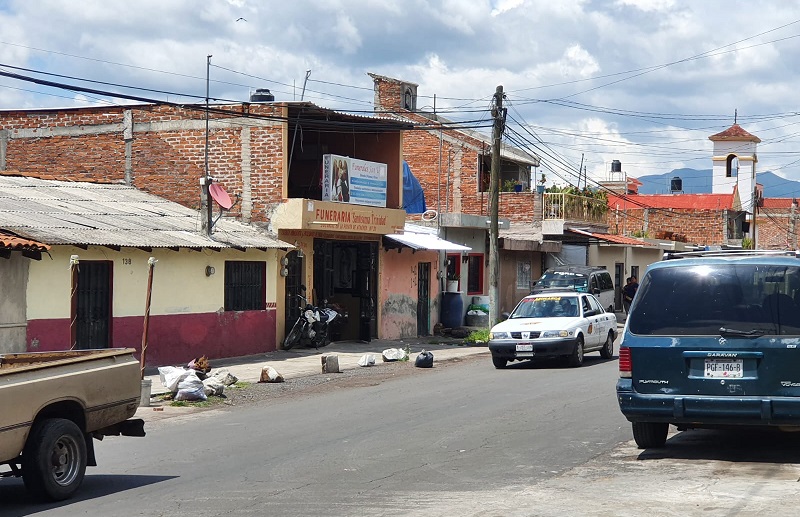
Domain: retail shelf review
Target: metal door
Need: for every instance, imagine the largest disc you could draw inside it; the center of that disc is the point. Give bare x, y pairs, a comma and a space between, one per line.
618, 284
93, 307
366, 268
294, 279
423, 299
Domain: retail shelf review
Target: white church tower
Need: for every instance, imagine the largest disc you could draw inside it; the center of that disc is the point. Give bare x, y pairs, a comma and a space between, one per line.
735, 165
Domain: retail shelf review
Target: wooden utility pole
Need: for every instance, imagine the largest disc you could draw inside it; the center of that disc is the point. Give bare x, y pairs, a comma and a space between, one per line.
499, 115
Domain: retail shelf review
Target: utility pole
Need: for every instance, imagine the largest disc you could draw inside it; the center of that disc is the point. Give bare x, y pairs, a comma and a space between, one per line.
499, 115
206, 207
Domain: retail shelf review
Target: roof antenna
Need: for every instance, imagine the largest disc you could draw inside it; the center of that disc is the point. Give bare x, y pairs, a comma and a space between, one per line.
735, 115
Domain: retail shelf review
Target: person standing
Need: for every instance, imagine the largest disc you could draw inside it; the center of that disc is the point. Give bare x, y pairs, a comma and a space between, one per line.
628, 292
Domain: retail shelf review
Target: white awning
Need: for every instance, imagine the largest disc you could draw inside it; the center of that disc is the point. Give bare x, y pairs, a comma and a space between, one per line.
427, 241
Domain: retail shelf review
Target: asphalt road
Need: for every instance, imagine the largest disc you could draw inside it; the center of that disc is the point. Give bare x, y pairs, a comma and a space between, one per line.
464, 440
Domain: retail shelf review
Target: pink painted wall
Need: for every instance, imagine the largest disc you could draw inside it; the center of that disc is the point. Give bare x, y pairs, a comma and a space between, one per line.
398, 292
174, 339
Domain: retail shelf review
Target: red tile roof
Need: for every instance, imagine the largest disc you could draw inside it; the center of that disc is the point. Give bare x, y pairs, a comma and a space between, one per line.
778, 202
735, 133
679, 201
11, 241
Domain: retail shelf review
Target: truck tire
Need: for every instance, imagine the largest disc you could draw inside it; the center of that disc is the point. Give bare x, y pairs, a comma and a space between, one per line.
54, 459
650, 434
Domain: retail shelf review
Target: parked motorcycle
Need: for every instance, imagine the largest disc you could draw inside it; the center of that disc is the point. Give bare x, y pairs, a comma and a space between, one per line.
312, 327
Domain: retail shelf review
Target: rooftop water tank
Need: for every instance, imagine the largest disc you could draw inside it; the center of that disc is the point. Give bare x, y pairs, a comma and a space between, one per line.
676, 184
616, 166
262, 95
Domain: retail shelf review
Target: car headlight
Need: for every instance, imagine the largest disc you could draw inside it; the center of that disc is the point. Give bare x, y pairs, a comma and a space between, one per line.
499, 335
556, 333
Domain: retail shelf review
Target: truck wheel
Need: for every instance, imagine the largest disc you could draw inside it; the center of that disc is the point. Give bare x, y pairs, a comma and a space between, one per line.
650, 434
499, 362
54, 459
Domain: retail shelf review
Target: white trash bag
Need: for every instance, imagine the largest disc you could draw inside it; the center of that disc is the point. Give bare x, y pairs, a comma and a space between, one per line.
191, 388
367, 360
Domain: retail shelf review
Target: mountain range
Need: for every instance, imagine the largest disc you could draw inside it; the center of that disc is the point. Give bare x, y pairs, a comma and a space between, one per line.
697, 181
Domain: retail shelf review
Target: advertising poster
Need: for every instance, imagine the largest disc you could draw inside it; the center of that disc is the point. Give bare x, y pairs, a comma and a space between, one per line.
349, 180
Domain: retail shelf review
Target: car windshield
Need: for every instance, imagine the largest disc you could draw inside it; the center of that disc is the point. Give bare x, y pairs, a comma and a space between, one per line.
546, 307
554, 279
729, 300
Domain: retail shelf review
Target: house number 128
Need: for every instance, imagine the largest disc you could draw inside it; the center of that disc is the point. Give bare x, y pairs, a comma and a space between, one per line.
126, 261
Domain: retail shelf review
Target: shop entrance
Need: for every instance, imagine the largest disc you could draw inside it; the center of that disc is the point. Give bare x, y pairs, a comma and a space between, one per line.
345, 275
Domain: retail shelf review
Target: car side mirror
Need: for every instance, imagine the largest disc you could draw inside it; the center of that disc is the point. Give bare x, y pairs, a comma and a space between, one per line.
590, 313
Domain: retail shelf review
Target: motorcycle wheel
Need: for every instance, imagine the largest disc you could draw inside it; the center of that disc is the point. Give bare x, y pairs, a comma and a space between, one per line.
294, 336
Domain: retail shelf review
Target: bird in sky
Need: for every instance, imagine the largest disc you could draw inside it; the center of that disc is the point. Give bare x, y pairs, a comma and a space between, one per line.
240, 19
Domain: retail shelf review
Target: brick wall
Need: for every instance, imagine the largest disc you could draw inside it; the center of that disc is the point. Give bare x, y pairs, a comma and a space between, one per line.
167, 151
699, 226
775, 230
446, 163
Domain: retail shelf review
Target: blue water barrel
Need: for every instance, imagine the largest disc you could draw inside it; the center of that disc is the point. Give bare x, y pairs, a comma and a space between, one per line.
452, 310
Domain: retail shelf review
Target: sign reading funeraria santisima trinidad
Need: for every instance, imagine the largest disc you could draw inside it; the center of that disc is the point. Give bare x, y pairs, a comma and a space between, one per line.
308, 214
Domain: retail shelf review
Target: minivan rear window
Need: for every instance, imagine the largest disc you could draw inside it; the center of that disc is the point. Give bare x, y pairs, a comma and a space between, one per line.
577, 281
703, 299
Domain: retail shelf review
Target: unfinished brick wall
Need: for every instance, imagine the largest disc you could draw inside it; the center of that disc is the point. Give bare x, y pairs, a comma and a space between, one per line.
699, 226
775, 230
446, 163
167, 150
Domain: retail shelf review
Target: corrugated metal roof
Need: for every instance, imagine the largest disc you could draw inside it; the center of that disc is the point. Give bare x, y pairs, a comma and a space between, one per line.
62, 212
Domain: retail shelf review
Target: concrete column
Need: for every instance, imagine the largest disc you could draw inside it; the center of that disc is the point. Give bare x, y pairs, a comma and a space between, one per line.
127, 135
247, 199
3, 146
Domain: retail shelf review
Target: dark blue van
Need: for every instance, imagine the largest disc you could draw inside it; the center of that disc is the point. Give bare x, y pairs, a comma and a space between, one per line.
712, 340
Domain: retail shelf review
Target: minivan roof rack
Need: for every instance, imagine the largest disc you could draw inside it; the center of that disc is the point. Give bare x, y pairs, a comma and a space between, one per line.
669, 255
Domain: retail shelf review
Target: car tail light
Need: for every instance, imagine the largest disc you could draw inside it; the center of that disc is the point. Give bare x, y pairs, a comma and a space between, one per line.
625, 363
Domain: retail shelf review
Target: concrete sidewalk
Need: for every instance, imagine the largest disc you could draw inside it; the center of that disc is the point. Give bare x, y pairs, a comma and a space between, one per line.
300, 362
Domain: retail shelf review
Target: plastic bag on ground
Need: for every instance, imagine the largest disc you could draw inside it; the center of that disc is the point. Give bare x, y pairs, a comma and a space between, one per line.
367, 360
171, 376
191, 388
424, 360
213, 386
394, 354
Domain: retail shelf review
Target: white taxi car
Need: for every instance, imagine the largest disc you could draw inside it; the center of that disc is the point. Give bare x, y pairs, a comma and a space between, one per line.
554, 324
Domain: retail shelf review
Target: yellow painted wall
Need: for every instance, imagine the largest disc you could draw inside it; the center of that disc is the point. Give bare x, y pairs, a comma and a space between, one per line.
180, 284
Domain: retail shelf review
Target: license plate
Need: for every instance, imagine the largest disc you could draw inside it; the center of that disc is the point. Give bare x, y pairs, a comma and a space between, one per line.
525, 347
724, 368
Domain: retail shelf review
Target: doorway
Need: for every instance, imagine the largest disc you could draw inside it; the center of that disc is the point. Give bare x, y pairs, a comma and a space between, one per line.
294, 279
345, 277
423, 299
93, 305
619, 272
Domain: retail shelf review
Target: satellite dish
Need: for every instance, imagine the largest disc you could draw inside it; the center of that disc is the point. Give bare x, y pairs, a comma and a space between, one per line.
220, 196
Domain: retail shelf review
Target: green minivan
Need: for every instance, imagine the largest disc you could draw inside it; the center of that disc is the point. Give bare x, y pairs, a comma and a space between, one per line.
712, 340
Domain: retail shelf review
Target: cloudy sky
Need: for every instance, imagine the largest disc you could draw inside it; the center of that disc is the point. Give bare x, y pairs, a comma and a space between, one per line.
642, 81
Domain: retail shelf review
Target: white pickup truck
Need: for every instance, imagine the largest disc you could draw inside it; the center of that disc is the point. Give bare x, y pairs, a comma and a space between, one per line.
51, 406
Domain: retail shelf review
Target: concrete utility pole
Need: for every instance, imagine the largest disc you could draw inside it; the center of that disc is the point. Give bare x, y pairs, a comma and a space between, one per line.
499, 115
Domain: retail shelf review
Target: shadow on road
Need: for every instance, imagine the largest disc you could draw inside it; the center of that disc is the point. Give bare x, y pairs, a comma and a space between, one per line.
736, 445
17, 502
554, 363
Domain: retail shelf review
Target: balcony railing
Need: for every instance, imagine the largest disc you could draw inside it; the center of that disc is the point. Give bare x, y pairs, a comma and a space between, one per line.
571, 207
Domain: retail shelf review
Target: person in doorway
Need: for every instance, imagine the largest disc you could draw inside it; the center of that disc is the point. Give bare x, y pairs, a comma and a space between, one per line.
628, 292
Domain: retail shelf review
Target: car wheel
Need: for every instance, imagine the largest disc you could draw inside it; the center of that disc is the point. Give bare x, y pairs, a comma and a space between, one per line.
607, 352
576, 359
650, 434
54, 459
499, 362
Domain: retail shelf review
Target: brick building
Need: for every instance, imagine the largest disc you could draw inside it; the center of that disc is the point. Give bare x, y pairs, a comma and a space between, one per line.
269, 157
453, 167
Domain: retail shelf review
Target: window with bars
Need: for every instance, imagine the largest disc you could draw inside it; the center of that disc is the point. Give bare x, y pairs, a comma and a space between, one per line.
475, 273
523, 275
245, 285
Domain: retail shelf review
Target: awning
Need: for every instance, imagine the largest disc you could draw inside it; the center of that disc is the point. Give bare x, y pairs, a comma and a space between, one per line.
425, 241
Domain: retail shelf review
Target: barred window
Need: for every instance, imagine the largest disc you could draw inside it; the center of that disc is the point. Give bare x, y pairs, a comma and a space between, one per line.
523, 275
245, 285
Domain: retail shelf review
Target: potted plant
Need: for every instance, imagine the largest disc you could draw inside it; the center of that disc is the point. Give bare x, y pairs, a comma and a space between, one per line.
452, 282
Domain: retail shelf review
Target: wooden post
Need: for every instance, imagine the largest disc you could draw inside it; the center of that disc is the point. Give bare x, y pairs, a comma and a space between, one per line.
73, 302
498, 113
151, 262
